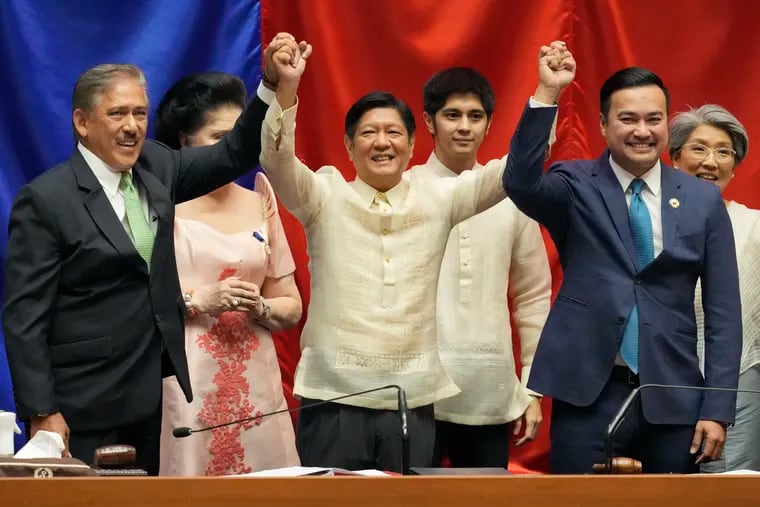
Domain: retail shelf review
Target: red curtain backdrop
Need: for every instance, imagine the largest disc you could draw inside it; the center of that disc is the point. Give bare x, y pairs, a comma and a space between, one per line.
703, 49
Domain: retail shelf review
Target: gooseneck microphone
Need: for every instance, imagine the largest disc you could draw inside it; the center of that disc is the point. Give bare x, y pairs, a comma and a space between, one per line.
626, 406
185, 431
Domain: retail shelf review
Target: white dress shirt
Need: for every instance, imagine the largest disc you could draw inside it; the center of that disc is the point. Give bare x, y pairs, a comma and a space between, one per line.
109, 179
494, 262
745, 223
374, 272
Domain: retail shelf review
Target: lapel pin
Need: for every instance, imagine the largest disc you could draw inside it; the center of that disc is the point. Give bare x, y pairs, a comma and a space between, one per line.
674, 203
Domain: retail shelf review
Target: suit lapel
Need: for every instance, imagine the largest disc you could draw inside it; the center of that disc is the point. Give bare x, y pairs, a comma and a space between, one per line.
614, 200
99, 207
671, 205
158, 195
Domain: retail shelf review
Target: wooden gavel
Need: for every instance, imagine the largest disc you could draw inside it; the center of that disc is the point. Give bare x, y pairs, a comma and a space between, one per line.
117, 460
620, 466
115, 456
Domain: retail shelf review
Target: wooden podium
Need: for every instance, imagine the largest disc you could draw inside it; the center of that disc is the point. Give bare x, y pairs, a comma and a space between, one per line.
473, 491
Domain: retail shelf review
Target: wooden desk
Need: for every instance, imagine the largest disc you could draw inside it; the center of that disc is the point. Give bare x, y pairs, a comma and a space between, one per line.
476, 491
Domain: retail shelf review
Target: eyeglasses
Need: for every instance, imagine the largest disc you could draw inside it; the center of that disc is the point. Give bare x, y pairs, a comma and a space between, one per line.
701, 152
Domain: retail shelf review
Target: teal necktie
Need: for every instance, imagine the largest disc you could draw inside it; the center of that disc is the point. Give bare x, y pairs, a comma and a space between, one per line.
138, 224
641, 230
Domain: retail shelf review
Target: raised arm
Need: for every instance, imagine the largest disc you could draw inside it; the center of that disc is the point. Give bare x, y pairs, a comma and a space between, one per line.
203, 169
293, 182
537, 194
476, 191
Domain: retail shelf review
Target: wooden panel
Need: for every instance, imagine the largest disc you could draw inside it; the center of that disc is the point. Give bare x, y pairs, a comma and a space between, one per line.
531, 491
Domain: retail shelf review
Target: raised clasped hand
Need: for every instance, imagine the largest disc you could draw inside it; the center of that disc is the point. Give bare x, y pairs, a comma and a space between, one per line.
285, 58
556, 70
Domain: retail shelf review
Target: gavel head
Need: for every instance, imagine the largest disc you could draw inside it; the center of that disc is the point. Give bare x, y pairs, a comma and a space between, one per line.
115, 456
620, 465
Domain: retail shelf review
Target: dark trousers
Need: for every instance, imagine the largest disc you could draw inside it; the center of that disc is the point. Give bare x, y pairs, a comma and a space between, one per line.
144, 435
472, 446
577, 434
356, 438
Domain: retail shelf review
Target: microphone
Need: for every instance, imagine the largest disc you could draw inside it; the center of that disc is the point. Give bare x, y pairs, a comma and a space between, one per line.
625, 407
185, 431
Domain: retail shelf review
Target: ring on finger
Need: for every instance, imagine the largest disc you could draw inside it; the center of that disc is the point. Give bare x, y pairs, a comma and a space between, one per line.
235, 301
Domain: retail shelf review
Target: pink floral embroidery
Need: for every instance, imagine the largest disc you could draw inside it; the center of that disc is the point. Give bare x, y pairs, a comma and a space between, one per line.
231, 342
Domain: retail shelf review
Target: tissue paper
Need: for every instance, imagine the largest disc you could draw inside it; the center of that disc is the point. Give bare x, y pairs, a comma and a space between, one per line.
44, 444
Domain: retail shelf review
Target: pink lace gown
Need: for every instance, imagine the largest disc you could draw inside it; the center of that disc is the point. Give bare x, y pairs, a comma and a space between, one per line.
233, 364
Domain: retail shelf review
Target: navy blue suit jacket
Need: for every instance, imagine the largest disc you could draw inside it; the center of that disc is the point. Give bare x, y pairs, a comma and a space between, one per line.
583, 206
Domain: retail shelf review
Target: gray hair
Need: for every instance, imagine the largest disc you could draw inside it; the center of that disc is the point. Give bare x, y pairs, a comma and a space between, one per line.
90, 85
682, 125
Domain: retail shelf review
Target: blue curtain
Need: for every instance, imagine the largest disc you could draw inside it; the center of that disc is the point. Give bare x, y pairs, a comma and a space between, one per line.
48, 43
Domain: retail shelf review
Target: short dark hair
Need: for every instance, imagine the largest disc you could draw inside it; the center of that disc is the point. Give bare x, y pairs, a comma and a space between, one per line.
443, 84
630, 77
375, 100
184, 106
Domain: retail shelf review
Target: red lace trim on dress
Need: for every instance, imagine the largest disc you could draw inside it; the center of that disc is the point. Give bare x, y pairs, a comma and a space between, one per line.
231, 342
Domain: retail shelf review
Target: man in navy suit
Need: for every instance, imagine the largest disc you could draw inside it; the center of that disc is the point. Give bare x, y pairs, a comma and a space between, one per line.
633, 236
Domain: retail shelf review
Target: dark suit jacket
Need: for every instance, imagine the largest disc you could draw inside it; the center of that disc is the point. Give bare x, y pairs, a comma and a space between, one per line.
583, 206
84, 321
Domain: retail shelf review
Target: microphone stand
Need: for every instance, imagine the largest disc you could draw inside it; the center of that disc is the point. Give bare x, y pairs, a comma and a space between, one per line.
625, 407
402, 412
184, 431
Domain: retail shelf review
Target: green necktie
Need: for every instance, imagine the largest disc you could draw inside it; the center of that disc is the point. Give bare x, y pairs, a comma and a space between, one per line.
138, 224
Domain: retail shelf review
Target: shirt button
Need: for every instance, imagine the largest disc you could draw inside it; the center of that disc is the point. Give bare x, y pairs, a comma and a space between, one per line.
385, 231
387, 260
380, 195
158, 317
465, 236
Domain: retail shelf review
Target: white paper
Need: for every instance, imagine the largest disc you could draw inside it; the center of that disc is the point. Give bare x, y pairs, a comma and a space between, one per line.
315, 471
44, 444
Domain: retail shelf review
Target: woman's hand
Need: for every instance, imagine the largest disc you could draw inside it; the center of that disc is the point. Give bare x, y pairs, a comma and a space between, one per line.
230, 294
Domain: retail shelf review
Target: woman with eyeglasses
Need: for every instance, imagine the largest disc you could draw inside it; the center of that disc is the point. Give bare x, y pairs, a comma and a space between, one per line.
709, 143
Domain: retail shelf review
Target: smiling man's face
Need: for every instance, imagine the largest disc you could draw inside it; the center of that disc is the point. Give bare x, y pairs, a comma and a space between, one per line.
636, 127
114, 128
380, 148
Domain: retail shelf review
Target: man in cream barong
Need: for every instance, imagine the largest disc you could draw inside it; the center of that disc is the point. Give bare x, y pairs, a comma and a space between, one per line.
376, 245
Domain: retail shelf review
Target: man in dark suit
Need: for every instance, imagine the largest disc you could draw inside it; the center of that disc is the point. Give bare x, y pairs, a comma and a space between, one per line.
633, 236
93, 316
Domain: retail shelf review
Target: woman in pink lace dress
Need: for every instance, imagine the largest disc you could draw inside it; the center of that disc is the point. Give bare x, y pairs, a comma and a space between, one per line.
236, 272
